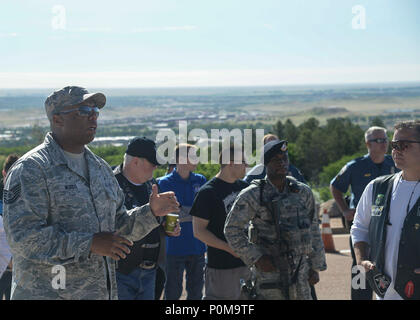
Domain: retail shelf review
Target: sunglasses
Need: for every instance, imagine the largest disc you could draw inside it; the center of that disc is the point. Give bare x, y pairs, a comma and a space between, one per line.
401, 145
379, 140
83, 111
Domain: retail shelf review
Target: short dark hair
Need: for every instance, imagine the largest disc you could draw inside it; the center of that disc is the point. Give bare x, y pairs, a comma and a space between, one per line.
231, 150
270, 137
411, 124
10, 160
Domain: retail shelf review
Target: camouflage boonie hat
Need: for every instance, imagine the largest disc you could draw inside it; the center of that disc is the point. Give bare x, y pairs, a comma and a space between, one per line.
70, 96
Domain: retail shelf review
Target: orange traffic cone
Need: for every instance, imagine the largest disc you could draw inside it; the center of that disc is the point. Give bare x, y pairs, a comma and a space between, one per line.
326, 233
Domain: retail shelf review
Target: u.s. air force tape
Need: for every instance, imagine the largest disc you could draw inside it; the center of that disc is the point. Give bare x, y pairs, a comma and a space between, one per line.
10, 196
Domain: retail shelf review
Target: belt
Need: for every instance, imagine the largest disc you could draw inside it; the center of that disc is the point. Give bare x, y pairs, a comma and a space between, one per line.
147, 265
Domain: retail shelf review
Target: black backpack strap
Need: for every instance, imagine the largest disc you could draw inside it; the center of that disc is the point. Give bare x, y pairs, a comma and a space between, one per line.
381, 197
260, 183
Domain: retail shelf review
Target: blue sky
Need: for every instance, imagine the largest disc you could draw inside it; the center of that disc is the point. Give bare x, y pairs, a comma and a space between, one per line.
207, 43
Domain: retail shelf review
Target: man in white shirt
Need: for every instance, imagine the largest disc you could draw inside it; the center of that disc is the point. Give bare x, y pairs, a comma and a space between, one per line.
386, 227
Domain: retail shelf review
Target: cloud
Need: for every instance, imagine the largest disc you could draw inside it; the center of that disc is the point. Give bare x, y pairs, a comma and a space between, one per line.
8, 35
268, 26
160, 29
214, 77
91, 29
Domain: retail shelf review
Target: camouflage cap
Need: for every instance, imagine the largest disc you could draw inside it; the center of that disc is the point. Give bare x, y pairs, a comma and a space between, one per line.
70, 96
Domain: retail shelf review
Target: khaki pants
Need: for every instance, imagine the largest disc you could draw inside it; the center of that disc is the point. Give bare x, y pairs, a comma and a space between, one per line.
224, 284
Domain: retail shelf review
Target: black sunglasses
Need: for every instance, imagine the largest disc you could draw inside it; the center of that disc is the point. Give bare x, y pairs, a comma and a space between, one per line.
379, 140
83, 111
401, 145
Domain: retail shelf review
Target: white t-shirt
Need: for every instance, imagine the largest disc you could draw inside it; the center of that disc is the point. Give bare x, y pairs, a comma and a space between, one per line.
401, 193
5, 254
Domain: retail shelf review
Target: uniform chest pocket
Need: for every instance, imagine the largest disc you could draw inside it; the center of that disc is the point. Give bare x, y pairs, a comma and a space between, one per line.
70, 195
265, 215
295, 217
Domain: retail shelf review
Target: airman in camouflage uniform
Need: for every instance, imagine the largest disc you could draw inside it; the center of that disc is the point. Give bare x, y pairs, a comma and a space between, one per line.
54, 214
283, 243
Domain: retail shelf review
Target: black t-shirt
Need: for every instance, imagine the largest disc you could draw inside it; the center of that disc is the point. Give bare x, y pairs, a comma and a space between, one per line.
213, 202
137, 196
140, 194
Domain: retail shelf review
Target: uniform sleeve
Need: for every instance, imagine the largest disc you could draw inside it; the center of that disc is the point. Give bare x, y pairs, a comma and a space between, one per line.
360, 228
342, 180
317, 257
30, 234
133, 224
241, 213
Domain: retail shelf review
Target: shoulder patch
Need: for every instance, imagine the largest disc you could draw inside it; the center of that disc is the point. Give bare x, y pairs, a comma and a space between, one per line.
10, 196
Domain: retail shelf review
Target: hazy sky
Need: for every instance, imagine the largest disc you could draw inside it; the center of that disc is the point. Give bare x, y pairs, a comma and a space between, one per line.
207, 43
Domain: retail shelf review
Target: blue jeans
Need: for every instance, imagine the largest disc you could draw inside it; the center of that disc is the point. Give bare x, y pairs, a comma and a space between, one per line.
175, 266
138, 285
5, 285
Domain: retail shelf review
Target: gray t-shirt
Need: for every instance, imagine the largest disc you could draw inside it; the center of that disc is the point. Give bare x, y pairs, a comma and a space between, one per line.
78, 162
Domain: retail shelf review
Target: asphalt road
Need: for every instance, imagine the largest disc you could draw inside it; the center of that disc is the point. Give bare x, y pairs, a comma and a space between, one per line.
335, 282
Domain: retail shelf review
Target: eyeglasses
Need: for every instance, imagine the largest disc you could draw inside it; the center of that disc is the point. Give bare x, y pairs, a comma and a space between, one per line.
379, 140
83, 111
401, 145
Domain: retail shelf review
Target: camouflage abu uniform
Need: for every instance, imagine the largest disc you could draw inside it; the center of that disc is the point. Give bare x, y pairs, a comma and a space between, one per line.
300, 247
51, 214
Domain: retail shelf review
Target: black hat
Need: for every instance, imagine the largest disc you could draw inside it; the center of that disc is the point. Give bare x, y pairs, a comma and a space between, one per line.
272, 148
142, 148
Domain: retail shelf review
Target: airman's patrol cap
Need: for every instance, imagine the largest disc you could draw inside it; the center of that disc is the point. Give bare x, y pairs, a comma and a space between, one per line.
272, 148
70, 96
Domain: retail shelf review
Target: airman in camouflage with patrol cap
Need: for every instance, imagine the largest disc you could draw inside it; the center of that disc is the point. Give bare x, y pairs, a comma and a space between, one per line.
283, 243
64, 207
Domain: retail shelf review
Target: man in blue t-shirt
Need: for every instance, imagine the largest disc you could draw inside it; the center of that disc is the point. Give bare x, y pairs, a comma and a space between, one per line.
184, 252
357, 174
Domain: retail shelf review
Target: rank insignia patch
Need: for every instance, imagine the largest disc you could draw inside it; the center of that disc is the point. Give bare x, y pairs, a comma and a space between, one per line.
10, 196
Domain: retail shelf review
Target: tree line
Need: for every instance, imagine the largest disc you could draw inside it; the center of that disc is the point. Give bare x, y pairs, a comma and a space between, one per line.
319, 151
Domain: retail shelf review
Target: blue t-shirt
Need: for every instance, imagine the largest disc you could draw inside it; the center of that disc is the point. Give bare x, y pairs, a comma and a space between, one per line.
358, 173
185, 191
